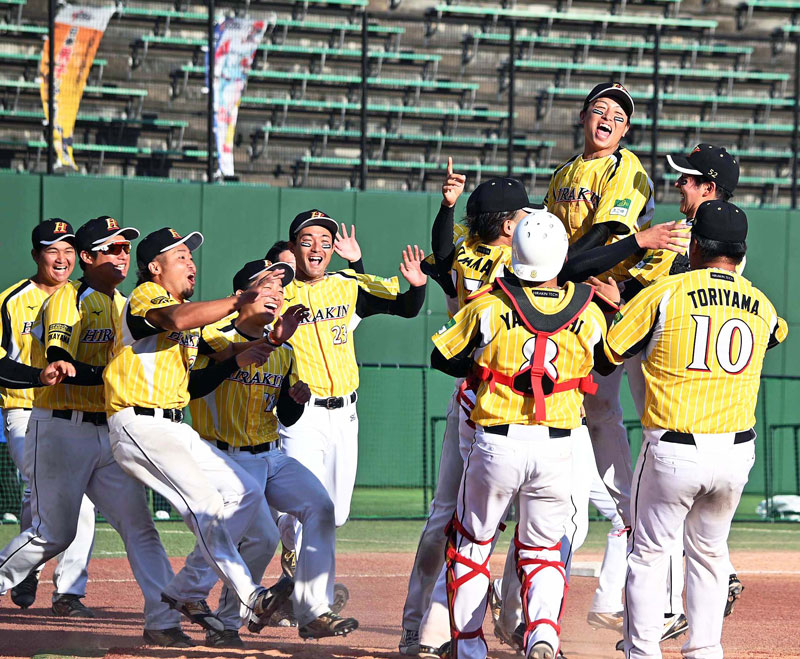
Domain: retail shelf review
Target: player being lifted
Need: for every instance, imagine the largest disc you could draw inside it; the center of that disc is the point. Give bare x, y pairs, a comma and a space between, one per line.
704, 334
530, 345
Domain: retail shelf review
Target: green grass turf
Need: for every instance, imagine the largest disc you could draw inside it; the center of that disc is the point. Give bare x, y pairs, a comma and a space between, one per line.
401, 536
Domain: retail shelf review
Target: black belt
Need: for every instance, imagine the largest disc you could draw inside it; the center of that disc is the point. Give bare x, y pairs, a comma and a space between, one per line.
174, 415
555, 433
687, 437
97, 418
335, 402
261, 448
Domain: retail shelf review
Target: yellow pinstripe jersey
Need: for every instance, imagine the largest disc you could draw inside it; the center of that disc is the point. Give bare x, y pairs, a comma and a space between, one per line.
704, 334
19, 307
150, 366
323, 345
80, 320
477, 264
615, 188
241, 411
502, 343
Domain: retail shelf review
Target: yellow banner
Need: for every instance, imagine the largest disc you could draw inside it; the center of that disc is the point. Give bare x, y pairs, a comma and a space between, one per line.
78, 31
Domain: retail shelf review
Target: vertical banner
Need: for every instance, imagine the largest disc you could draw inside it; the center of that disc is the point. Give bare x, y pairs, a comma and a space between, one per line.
236, 40
78, 31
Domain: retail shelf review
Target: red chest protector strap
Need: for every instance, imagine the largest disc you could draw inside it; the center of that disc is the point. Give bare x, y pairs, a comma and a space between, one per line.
542, 325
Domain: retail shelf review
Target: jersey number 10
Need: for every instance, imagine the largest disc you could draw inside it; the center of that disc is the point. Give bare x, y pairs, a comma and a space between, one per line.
723, 344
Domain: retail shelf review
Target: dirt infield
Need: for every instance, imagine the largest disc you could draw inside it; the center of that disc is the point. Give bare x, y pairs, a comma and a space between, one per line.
764, 624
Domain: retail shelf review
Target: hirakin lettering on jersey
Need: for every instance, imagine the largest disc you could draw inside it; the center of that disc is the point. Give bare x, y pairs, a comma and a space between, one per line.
186, 340
265, 379
328, 313
100, 335
571, 195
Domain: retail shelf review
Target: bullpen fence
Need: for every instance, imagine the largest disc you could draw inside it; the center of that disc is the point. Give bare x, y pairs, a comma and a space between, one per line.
402, 419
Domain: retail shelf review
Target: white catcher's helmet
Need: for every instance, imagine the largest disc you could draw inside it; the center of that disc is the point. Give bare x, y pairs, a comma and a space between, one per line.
539, 246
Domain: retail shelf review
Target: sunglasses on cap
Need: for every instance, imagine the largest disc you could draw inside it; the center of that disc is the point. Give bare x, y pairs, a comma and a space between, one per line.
114, 249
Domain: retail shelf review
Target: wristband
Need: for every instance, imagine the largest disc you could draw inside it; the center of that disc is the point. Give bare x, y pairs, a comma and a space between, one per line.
271, 342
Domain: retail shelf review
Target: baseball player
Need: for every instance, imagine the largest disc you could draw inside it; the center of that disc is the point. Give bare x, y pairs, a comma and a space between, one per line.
465, 260
251, 440
147, 385
602, 196
54, 255
67, 452
325, 438
344, 244
533, 345
703, 334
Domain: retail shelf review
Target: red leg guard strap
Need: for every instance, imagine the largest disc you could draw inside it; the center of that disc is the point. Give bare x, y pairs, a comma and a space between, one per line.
542, 621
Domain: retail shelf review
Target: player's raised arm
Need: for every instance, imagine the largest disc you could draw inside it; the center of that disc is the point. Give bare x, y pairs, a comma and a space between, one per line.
442, 232
406, 305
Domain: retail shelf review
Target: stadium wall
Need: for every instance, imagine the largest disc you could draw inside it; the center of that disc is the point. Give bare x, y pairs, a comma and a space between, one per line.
397, 402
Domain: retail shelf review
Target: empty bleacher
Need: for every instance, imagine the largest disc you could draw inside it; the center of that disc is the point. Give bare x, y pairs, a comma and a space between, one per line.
437, 85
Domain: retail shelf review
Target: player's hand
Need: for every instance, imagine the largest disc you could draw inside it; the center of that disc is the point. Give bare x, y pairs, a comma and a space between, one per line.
608, 290
256, 354
453, 185
286, 325
56, 372
347, 246
410, 267
300, 393
673, 236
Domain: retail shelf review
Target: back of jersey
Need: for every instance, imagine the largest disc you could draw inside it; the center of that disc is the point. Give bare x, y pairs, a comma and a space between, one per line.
704, 334
476, 264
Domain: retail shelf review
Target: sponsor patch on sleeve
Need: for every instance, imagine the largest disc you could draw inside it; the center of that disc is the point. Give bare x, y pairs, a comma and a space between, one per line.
447, 326
59, 332
161, 299
621, 207
617, 318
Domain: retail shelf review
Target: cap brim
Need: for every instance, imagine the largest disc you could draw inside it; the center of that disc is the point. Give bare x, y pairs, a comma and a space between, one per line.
327, 222
681, 164
288, 271
129, 233
47, 243
192, 240
626, 103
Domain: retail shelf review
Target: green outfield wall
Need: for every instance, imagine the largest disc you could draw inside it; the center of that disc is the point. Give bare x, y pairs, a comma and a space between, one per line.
398, 405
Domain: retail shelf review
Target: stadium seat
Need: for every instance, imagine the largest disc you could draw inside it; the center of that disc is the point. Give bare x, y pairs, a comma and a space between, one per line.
778, 8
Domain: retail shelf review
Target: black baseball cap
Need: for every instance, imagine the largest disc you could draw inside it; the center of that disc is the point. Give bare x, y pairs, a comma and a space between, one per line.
253, 269
712, 162
314, 217
162, 241
52, 231
613, 90
721, 221
498, 195
100, 229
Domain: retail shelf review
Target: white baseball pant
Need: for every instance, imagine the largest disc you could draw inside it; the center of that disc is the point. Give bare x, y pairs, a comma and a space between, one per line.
171, 458
429, 559
613, 456
324, 441
72, 571
527, 463
67, 458
688, 490
608, 595
245, 511
291, 488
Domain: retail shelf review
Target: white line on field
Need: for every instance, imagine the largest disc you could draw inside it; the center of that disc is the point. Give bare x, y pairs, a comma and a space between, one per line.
766, 529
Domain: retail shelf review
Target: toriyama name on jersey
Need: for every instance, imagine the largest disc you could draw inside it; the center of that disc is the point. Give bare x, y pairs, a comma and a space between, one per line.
572, 195
328, 313
704, 297
186, 340
265, 379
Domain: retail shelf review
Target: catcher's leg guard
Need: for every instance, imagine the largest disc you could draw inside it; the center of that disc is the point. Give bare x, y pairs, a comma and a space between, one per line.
467, 605
540, 594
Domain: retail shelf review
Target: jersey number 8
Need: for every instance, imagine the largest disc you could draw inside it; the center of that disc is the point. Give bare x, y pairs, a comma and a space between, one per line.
724, 345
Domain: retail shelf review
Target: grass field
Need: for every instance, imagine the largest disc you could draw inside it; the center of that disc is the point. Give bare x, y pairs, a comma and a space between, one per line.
401, 537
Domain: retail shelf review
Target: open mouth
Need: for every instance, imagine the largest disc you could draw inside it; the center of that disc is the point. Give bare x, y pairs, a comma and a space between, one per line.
315, 260
270, 306
60, 268
604, 130
190, 278
120, 267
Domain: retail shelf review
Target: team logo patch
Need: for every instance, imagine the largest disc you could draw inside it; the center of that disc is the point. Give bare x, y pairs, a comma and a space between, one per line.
59, 332
111, 224
621, 207
161, 299
447, 326
617, 318
174, 234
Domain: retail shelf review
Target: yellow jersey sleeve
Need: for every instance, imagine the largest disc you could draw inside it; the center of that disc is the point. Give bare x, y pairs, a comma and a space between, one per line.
145, 297
656, 264
779, 334
457, 334
634, 322
627, 197
385, 287
61, 321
